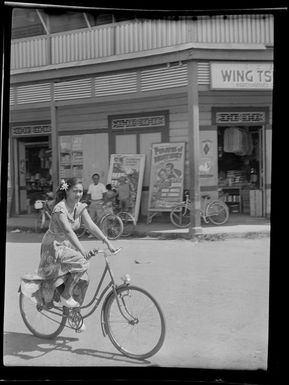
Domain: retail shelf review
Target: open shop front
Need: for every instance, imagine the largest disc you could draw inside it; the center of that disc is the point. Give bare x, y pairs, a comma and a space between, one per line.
32, 167
244, 129
241, 168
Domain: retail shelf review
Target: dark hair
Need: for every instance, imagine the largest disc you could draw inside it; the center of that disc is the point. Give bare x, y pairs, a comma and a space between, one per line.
96, 174
108, 186
171, 165
61, 193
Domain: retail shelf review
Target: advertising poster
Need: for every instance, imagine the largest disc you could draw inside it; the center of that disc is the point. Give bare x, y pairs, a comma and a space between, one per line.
128, 169
206, 158
167, 176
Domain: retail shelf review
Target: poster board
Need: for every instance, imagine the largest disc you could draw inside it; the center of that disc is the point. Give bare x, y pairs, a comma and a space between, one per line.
130, 166
166, 177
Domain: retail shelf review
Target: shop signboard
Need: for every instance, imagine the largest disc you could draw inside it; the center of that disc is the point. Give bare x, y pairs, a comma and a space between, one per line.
139, 121
128, 169
166, 176
37, 129
237, 75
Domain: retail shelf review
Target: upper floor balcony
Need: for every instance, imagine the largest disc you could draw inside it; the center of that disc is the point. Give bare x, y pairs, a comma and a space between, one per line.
138, 35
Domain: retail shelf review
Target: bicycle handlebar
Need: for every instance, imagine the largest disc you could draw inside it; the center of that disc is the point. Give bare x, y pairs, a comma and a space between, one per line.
94, 251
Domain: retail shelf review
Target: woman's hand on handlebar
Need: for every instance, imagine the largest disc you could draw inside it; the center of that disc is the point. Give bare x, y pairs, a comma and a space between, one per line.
111, 248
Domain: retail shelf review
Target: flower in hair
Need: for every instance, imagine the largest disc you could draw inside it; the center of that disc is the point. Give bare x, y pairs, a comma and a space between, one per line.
63, 186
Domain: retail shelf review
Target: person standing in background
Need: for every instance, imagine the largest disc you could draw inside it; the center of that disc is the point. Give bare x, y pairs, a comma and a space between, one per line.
123, 194
96, 191
109, 199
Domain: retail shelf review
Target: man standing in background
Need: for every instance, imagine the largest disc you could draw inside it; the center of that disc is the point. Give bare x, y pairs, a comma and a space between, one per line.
96, 191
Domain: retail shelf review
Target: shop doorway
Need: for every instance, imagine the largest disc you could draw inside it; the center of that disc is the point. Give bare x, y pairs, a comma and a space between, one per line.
241, 168
32, 171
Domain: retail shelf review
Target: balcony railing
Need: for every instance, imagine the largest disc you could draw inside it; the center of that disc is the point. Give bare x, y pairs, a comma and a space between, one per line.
136, 36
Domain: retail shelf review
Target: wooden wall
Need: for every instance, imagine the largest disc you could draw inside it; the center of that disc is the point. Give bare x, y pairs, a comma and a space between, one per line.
28, 115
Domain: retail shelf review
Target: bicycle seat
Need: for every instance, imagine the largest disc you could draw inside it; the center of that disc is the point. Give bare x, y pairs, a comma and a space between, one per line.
206, 196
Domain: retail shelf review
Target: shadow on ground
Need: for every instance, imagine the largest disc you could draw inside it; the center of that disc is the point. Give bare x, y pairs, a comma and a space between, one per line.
28, 347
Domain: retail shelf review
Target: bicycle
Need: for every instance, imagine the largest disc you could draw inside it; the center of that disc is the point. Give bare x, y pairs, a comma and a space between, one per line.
130, 316
44, 210
110, 224
215, 211
127, 219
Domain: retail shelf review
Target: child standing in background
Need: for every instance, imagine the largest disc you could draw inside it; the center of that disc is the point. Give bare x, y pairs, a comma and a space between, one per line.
109, 199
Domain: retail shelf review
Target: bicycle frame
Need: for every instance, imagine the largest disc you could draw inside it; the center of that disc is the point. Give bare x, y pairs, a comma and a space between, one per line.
111, 283
204, 200
97, 299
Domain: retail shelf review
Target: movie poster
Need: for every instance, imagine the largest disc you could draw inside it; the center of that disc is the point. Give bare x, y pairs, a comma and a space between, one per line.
128, 169
167, 176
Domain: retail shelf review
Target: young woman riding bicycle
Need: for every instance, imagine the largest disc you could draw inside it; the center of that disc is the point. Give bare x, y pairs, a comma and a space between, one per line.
61, 250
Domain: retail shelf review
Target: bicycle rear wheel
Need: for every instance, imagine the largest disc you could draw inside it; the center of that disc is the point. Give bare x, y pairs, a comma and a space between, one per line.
111, 225
41, 321
140, 332
128, 222
217, 212
180, 215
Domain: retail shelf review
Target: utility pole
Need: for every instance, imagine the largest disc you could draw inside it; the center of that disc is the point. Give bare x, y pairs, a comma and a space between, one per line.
194, 148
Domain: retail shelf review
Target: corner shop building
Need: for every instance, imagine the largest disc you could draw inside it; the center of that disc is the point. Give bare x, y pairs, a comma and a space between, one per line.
112, 105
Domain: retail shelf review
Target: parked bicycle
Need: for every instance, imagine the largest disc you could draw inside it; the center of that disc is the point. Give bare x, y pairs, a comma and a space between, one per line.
127, 219
214, 211
43, 213
130, 316
110, 224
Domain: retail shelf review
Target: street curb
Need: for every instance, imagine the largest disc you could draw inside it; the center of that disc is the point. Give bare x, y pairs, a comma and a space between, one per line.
203, 237
175, 235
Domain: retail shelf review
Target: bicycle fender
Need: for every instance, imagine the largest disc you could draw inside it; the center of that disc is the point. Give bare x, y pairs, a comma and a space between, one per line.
102, 323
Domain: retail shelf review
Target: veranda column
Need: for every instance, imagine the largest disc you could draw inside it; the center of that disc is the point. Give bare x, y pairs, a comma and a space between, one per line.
193, 148
54, 141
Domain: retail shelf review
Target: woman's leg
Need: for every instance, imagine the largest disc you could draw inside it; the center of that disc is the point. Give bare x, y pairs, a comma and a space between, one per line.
69, 284
80, 290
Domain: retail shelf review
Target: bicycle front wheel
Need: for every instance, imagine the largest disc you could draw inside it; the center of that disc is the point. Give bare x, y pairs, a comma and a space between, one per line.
139, 330
128, 222
217, 212
180, 216
41, 321
112, 226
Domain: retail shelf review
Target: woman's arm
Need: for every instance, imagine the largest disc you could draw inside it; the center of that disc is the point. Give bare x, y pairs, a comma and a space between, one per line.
65, 225
95, 230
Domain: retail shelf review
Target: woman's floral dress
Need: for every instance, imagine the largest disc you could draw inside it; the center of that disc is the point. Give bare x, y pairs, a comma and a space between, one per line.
59, 257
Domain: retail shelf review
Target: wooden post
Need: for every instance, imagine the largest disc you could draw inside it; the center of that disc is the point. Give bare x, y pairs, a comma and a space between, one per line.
194, 148
54, 142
